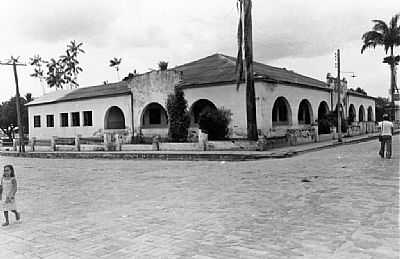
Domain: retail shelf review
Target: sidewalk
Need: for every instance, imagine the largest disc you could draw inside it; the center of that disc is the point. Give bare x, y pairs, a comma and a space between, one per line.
282, 152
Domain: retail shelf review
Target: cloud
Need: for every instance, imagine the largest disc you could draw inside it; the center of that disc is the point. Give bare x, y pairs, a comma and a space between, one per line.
299, 28
53, 21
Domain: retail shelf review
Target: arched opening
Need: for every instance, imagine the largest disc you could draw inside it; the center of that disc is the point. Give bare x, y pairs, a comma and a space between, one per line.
198, 107
361, 113
370, 114
281, 113
323, 121
304, 116
352, 114
114, 118
154, 116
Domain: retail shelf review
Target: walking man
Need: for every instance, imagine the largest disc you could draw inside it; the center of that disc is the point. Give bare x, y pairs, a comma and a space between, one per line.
386, 128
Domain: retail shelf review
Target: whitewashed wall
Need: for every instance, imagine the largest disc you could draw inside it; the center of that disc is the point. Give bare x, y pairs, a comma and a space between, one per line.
98, 106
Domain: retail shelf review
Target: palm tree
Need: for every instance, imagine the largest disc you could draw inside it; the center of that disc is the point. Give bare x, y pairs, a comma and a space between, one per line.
388, 36
245, 44
115, 62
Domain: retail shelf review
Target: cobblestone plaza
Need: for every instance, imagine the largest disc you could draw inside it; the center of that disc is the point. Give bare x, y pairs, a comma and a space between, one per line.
335, 203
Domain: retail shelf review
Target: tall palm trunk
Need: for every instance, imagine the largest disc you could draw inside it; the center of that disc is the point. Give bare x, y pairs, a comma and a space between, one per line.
392, 83
246, 21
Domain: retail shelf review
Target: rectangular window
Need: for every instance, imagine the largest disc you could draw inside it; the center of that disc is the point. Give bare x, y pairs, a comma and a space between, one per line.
155, 116
50, 120
87, 118
36, 121
64, 119
75, 119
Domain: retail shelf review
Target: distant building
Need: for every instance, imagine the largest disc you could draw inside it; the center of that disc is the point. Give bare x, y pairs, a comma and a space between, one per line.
284, 100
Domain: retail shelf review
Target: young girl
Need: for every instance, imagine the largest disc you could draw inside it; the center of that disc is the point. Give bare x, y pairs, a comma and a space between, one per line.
8, 190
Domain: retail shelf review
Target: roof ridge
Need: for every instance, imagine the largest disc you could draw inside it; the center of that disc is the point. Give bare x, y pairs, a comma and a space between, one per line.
196, 61
227, 58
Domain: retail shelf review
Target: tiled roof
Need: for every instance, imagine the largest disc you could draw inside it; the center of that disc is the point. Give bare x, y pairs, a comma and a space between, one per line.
49, 97
219, 68
97, 91
83, 93
352, 92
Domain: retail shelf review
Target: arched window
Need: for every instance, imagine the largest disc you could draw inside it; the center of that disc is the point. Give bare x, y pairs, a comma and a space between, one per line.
323, 122
323, 110
304, 115
361, 113
352, 113
200, 106
281, 113
114, 118
154, 116
370, 114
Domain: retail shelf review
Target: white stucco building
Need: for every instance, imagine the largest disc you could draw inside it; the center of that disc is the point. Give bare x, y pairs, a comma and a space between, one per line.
284, 99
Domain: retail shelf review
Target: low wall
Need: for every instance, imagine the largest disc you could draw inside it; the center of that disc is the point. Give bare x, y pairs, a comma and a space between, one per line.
232, 145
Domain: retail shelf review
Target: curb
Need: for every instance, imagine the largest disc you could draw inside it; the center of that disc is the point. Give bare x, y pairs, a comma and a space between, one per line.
150, 156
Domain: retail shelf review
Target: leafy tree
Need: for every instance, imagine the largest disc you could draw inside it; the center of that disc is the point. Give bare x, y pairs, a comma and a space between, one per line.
382, 106
360, 90
8, 115
179, 119
388, 36
115, 62
245, 41
163, 65
215, 123
62, 71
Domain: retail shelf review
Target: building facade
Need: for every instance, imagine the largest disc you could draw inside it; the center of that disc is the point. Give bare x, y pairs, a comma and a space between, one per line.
284, 100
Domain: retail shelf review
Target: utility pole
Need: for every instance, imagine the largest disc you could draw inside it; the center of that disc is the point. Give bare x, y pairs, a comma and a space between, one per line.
14, 63
338, 106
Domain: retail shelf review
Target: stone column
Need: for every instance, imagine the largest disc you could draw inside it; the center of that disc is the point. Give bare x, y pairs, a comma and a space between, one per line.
33, 143
316, 136
203, 140
156, 143
334, 133
15, 144
53, 143
118, 142
108, 144
78, 142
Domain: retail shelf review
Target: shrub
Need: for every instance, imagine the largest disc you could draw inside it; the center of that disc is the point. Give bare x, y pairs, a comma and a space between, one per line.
215, 123
324, 126
163, 65
179, 119
332, 118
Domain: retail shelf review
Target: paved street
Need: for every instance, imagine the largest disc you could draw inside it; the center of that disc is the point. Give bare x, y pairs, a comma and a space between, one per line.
335, 203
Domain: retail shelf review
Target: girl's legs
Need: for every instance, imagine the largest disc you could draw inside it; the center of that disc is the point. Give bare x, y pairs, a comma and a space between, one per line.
6, 217
17, 215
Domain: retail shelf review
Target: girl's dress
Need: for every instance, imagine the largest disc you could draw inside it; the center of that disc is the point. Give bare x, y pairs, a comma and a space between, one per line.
7, 188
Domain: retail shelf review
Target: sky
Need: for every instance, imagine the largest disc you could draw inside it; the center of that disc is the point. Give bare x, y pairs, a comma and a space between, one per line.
300, 35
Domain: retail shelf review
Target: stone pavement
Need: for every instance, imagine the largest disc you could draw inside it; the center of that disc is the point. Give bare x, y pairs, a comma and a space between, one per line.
341, 202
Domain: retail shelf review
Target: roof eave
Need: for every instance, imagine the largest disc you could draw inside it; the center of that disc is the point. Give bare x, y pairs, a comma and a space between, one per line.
267, 80
79, 98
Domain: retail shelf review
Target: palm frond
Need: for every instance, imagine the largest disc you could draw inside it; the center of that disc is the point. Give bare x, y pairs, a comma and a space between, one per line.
380, 26
371, 39
393, 21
